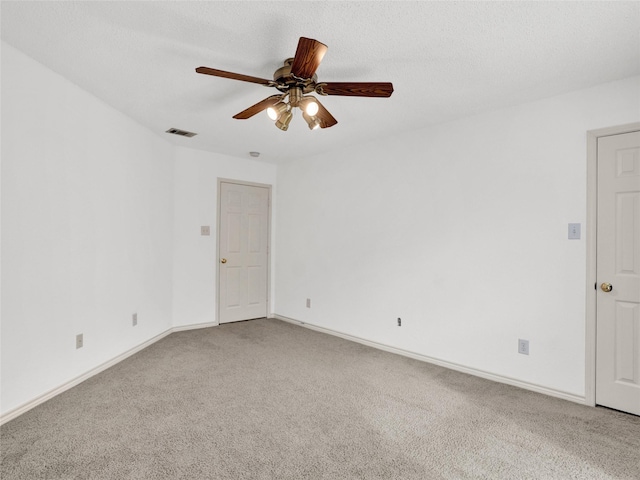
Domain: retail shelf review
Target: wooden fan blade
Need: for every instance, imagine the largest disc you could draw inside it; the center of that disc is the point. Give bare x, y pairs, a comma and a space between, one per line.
326, 119
308, 57
258, 107
232, 76
357, 89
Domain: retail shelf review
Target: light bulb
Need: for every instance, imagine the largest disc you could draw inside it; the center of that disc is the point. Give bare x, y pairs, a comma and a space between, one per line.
273, 115
311, 107
276, 110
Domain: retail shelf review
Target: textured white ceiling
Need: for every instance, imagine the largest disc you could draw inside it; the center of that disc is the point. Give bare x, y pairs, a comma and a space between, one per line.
446, 60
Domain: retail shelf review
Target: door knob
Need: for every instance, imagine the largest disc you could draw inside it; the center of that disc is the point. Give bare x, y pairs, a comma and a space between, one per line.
606, 287
224, 260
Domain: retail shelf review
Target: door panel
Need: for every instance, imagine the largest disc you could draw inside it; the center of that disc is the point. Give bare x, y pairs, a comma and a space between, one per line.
233, 286
234, 229
618, 264
243, 244
627, 331
255, 285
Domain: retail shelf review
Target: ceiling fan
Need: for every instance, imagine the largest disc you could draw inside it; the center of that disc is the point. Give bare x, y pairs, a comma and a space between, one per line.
295, 80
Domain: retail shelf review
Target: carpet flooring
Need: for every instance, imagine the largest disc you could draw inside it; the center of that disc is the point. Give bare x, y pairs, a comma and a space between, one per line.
269, 400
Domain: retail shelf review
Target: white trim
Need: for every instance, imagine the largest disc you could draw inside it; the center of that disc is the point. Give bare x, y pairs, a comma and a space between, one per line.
443, 363
195, 326
591, 236
25, 407
269, 214
16, 412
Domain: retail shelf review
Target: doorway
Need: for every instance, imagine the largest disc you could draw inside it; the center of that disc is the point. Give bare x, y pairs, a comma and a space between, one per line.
244, 213
613, 309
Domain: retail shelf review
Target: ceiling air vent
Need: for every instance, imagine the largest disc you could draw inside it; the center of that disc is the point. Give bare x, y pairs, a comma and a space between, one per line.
182, 133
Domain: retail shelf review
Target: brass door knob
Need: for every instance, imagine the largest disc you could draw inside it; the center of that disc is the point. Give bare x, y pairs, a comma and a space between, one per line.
223, 260
606, 287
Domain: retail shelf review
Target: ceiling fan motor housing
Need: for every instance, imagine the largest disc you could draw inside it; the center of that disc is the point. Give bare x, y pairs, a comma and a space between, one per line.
284, 79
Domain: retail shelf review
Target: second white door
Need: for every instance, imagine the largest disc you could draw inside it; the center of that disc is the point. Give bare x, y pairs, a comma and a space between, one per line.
243, 240
618, 273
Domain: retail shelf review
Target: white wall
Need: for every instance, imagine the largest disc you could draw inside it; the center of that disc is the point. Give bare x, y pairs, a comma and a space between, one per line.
87, 202
461, 230
88, 231
196, 198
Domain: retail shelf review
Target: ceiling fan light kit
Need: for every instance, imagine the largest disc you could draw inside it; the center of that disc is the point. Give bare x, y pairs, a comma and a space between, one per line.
284, 120
277, 110
296, 79
309, 105
312, 120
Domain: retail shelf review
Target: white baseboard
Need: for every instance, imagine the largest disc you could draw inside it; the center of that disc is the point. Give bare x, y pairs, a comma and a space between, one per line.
443, 363
16, 412
195, 326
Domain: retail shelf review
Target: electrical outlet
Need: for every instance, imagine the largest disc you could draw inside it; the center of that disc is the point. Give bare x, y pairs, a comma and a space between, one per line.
134, 319
308, 303
79, 341
205, 230
523, 346
399, 322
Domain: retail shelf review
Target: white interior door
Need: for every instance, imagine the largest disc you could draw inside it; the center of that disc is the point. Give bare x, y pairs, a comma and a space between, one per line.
243, 239
618, 273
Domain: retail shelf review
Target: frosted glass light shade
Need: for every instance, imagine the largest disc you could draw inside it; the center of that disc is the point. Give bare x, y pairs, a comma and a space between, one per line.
311, 108
273, 115
277, 110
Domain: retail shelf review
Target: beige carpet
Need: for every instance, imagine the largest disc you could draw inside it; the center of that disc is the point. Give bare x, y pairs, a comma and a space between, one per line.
270, 400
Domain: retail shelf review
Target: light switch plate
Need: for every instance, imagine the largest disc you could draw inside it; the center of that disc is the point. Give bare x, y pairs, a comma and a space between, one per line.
205, 230
574, 231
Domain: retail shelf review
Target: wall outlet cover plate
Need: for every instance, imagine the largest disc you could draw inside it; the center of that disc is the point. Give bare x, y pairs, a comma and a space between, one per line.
523, 346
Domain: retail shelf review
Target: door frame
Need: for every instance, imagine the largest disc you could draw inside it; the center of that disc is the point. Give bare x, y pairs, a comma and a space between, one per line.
218, 219
591, 237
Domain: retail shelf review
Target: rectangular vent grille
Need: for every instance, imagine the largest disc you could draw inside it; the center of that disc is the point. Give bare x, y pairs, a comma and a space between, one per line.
182, 133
